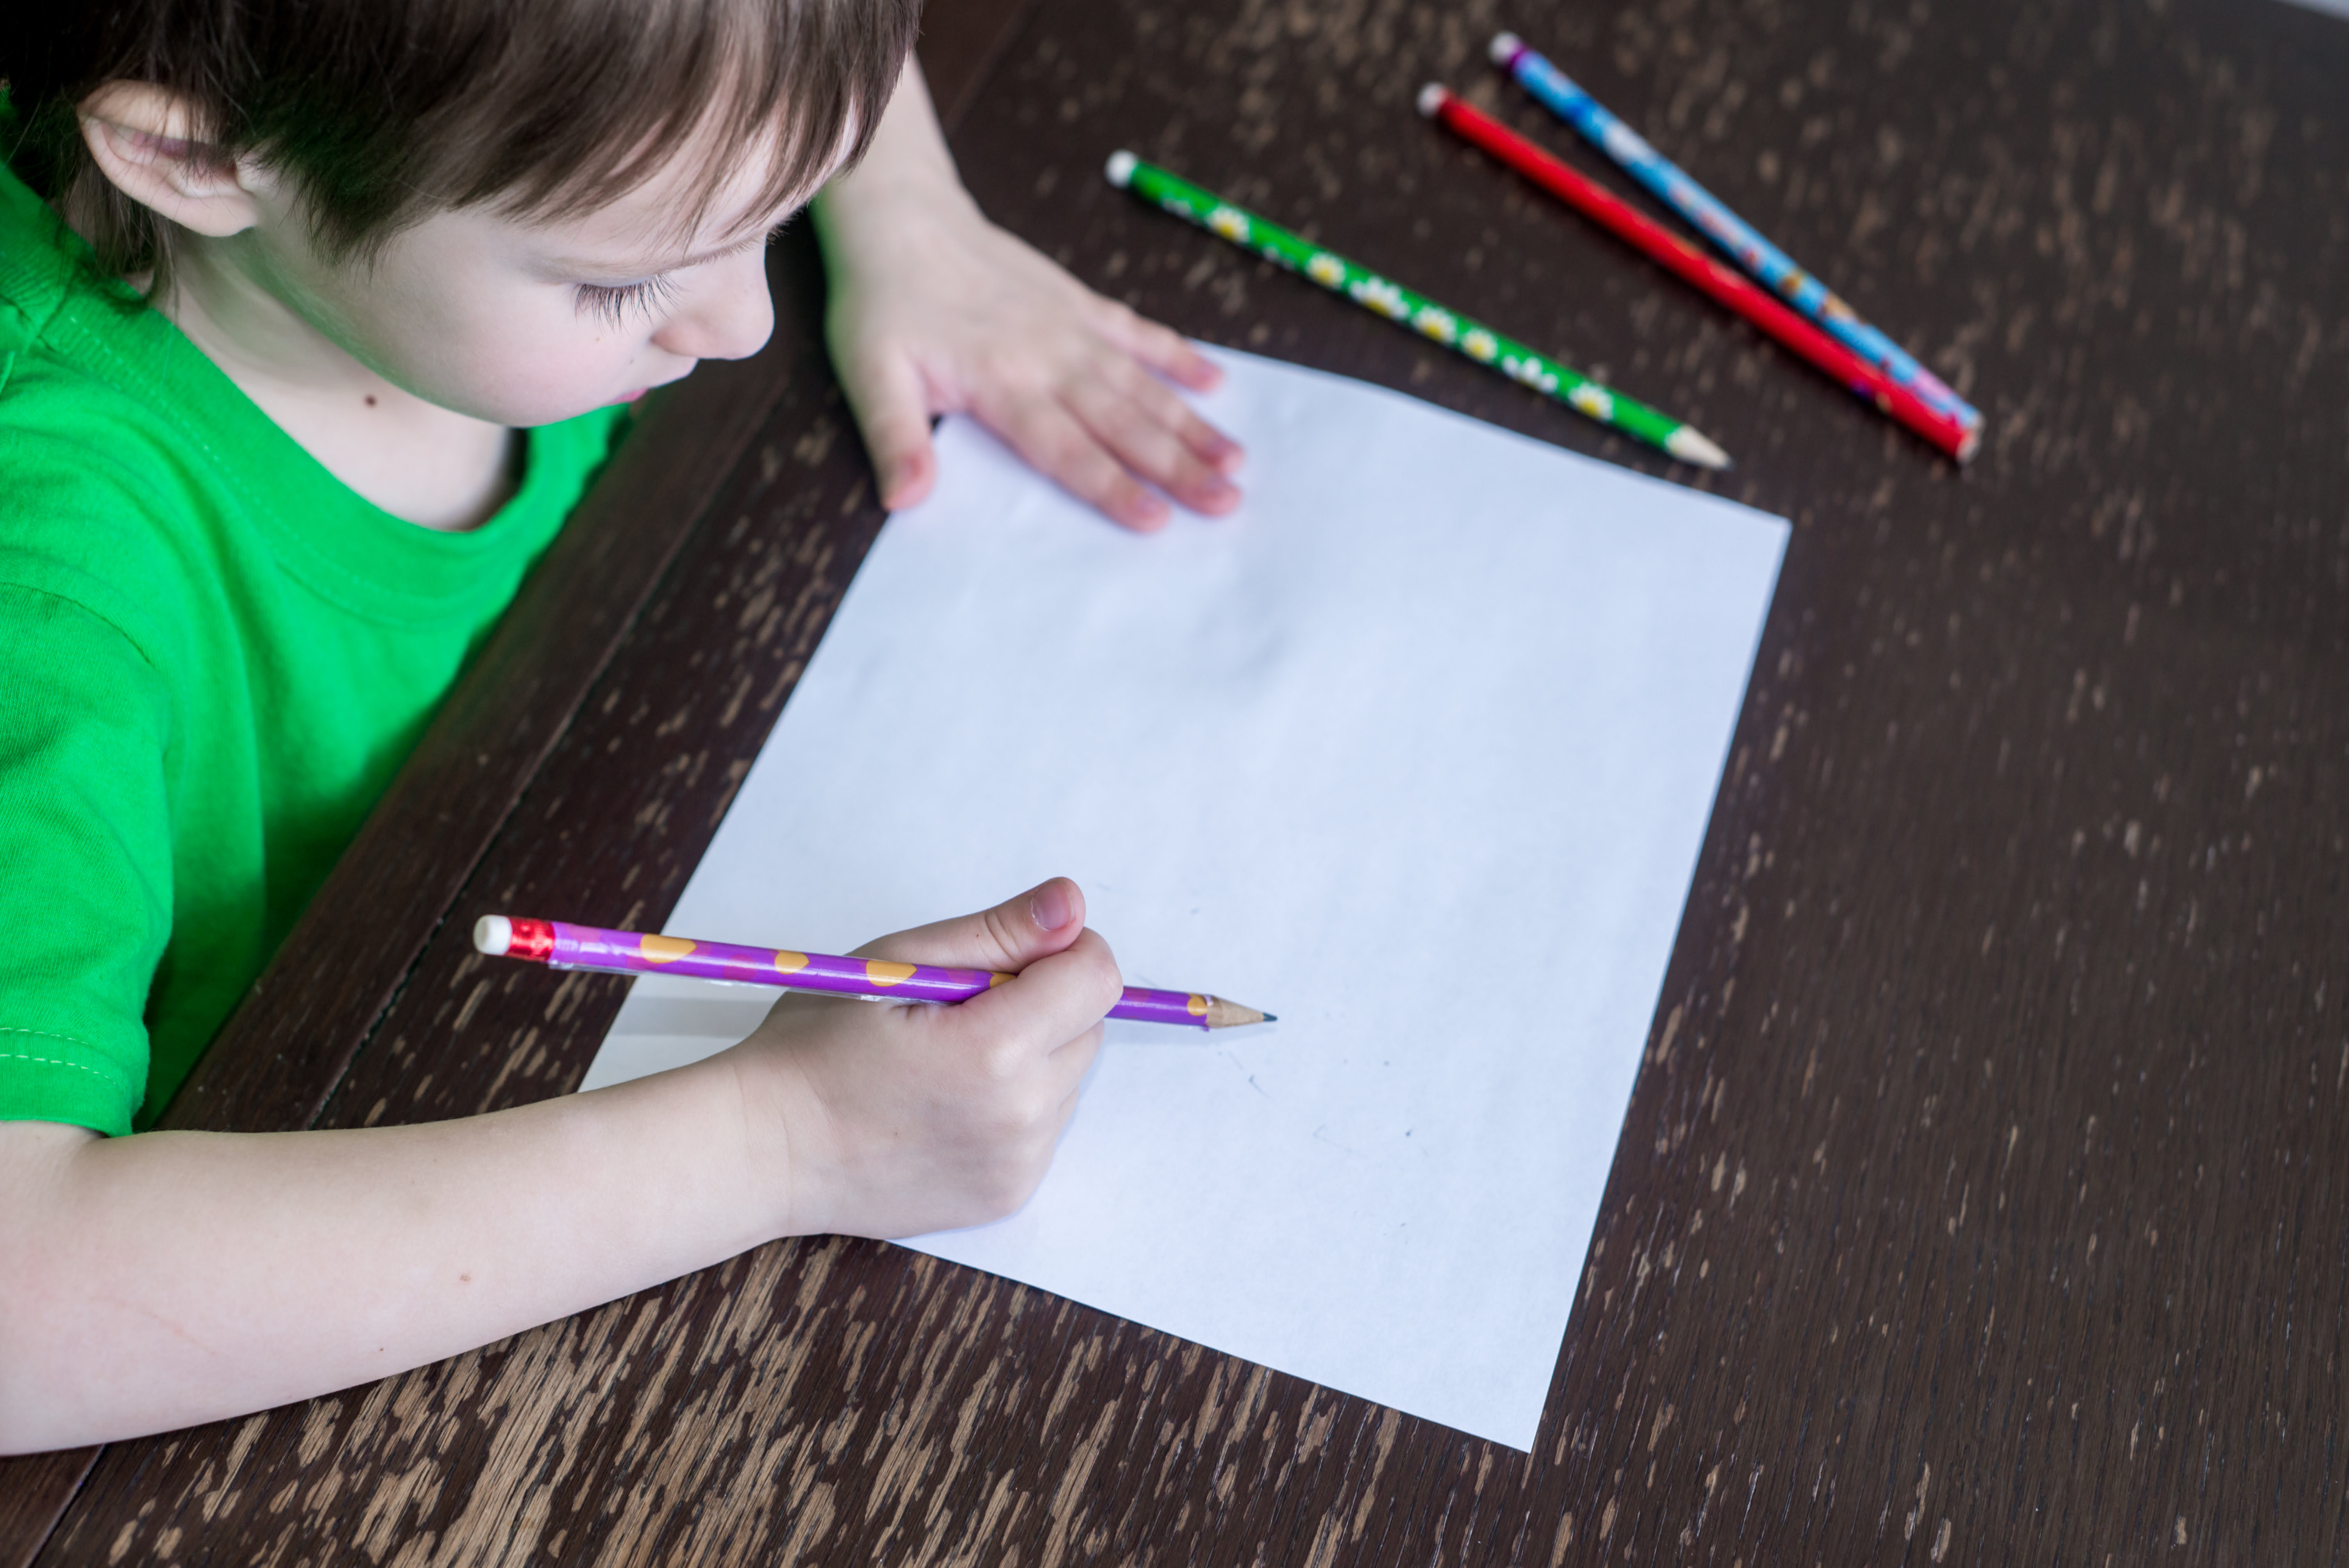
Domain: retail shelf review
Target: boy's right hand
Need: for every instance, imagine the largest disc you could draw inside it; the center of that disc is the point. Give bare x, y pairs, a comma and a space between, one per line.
899, 1118
165, 1279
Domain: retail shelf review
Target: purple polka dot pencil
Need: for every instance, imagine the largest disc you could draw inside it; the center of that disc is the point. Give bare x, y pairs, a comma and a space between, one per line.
563, 947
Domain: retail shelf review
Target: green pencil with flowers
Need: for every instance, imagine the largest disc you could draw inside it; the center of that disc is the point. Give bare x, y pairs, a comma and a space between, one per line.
1400, 304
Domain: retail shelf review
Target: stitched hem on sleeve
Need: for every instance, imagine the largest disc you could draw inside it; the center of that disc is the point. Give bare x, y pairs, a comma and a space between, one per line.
49, 1077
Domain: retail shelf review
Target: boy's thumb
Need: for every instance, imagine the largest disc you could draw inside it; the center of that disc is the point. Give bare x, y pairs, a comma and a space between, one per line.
1007, 939
894, 419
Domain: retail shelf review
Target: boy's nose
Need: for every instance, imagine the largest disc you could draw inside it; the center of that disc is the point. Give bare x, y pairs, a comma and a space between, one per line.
730, 319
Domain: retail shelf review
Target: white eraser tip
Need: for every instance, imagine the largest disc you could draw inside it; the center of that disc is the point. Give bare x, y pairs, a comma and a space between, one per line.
1121, 169
1431, 98
494, 934
1505, 46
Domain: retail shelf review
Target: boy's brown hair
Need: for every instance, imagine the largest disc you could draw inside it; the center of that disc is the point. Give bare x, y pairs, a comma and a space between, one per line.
383, 111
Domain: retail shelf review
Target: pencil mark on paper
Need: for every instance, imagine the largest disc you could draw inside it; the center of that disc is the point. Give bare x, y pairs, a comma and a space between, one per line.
1320, 1131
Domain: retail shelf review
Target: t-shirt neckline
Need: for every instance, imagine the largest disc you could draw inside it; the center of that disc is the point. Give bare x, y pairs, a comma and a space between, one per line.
336, 541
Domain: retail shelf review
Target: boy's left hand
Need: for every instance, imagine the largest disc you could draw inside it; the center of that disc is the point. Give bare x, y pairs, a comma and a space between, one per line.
934, 310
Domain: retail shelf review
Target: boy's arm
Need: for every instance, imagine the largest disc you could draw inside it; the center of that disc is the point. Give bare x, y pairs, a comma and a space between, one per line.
934, 310
155, 1281
167, 1278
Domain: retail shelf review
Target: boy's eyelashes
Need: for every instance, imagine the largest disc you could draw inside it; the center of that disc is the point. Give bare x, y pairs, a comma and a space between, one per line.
613, 302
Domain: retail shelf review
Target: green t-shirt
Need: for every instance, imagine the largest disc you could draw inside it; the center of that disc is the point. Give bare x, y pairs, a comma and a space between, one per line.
214, 655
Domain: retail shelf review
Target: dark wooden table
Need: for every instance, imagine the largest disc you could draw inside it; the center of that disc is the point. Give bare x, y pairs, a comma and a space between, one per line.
1983, 1196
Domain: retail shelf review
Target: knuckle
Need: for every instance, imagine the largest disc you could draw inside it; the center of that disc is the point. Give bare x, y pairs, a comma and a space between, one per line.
997, 1066
1006, 1191
1109, 485
1031, 381
1199, 432
1015, 1128
1170, 410
1006, 1135
1013, 405
1148, 447
1088, 406
1057, 442
1129, 377
1103, 983
1098, 957
1092, 465
996, 928
1043, 1111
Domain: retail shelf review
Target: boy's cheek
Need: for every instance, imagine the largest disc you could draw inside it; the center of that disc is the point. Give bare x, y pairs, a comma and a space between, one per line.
447, 314
522, 377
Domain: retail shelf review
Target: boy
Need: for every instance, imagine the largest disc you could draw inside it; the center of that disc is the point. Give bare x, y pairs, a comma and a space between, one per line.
315, 318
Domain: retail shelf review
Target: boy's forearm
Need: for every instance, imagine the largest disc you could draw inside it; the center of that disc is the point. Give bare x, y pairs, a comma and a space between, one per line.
152, 1282
906, 162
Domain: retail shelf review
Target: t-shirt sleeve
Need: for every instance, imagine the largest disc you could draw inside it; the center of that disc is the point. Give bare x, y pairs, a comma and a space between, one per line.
85, 836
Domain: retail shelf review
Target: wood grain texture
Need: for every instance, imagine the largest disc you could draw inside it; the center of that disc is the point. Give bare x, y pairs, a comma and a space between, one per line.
1981, 1197
34, 1490
961, 42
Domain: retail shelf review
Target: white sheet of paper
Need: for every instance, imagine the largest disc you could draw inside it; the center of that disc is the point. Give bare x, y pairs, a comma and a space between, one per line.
1416, 750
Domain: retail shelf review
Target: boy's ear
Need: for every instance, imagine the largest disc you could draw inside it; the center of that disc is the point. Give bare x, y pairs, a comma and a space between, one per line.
146, 143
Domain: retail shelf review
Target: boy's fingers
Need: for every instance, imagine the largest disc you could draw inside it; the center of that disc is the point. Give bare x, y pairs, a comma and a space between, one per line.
1081, 984
1146, 443
1161, 403
1068, 1107
1217, 450
1007, 938
1046, 1009
1159, 347
1171, 353
885, 391
1057, 445
1073, 1058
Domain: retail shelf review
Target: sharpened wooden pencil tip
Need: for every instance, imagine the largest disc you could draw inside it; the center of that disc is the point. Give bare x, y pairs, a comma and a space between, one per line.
1222, 1014
1689, 446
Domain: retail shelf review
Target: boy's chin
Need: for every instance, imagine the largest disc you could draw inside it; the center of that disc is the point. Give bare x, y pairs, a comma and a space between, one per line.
536, 415
545, 407
638, 394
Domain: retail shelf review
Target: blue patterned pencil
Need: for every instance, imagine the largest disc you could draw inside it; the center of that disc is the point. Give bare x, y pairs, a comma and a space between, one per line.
1558, 94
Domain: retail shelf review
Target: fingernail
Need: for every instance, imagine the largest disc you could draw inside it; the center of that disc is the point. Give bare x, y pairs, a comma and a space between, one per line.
1050, 905
1219, 498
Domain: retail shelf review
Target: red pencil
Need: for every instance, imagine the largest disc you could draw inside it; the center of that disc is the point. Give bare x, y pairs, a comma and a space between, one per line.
1731, 287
